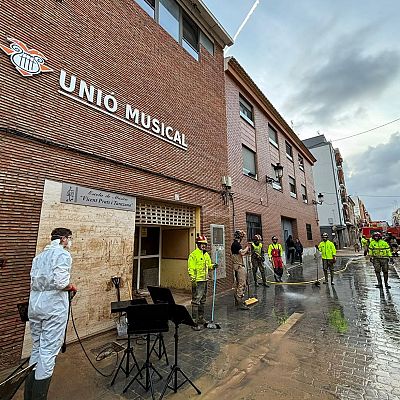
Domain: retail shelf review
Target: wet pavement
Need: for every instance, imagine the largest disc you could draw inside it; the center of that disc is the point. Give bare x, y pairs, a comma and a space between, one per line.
345, 345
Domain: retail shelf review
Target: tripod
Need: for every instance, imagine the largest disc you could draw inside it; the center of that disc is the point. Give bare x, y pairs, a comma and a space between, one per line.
173, 375
148, 369
128, 352
147, 319
161, 351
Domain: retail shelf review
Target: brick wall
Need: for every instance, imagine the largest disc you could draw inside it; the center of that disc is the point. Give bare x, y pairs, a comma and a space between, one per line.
255, 195
44, 135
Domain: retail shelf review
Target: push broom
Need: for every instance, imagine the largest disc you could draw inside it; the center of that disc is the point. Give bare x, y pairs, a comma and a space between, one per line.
212, 324
250, 300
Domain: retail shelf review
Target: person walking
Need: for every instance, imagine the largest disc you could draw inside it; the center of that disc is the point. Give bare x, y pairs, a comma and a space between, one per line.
238, 252
199, 263
379, 251
275, 256
48, 310
298, 250
364, 244
290, 249
257, 259
328, 254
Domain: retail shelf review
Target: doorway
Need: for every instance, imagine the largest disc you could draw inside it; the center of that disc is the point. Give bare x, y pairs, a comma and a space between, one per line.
146, 257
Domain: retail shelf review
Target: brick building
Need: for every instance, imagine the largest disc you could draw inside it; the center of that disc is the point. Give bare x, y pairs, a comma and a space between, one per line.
258, 140
116, 129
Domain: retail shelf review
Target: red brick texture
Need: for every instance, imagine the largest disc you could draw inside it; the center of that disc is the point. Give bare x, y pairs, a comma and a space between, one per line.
255, 195
117, 47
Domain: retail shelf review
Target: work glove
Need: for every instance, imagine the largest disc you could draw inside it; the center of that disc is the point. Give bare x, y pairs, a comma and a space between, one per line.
72, 288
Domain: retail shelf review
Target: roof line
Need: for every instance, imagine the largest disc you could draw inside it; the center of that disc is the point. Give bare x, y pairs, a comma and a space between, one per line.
257, 94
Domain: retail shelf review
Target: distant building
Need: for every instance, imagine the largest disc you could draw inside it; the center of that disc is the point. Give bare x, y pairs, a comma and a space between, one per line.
360, 212
396, 217
327, 181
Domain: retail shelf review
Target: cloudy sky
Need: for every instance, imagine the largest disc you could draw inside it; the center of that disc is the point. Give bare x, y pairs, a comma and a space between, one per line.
331, 67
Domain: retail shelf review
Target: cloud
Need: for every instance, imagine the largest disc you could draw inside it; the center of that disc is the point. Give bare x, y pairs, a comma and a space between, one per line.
375, 172
346, 78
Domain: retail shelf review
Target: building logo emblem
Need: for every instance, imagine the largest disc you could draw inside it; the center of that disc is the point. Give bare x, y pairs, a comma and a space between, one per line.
27, 62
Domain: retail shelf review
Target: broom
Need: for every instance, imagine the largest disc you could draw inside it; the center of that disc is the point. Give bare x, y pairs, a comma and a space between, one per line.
212, 324
250, 300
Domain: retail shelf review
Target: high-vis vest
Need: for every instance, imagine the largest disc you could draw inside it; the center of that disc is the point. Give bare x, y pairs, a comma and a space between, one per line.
327, 249
257, 249
379, 248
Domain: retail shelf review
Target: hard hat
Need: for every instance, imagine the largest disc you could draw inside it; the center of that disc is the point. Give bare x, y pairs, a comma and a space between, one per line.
239, 234
201, 239
325, 235
274, 237
377, 234
258, 237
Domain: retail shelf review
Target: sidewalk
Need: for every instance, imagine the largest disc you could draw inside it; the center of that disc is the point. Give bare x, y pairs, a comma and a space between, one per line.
344, 344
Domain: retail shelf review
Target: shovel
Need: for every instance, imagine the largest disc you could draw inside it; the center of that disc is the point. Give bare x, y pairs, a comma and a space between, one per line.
212, 324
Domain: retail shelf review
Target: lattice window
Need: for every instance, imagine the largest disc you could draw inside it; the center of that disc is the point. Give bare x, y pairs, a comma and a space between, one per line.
163, 214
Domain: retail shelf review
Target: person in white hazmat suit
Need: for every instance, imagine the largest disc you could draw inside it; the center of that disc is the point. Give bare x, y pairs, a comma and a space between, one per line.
48, 310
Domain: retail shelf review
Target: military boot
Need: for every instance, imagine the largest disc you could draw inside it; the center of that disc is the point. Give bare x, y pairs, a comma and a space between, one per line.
379, 278
242, 305
40, 389
264, 280
29, 385
201, 320
255, 277
385, 278
195, 317
326, 277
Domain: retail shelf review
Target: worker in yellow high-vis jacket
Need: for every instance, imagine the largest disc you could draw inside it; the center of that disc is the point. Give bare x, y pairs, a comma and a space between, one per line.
199, 263
328, 254
379, 251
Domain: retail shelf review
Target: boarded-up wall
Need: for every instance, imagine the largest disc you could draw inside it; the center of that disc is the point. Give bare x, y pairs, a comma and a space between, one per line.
102, 247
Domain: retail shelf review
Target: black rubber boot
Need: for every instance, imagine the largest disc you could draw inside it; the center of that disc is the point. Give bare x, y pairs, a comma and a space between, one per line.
379, 278
29, 385
40, 389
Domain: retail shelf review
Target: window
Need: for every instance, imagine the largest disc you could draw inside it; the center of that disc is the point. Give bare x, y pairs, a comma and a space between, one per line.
309, 232
207, 43
304, 194
190, 36
301, 162
289, 151
249, 162
148, 5
292, 187
169, 17
246, 110
178, 24
273, 136
254, 227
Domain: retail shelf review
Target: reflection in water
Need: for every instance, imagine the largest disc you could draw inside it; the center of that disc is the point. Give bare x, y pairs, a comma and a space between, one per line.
388, 314
336, 316
279, 310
